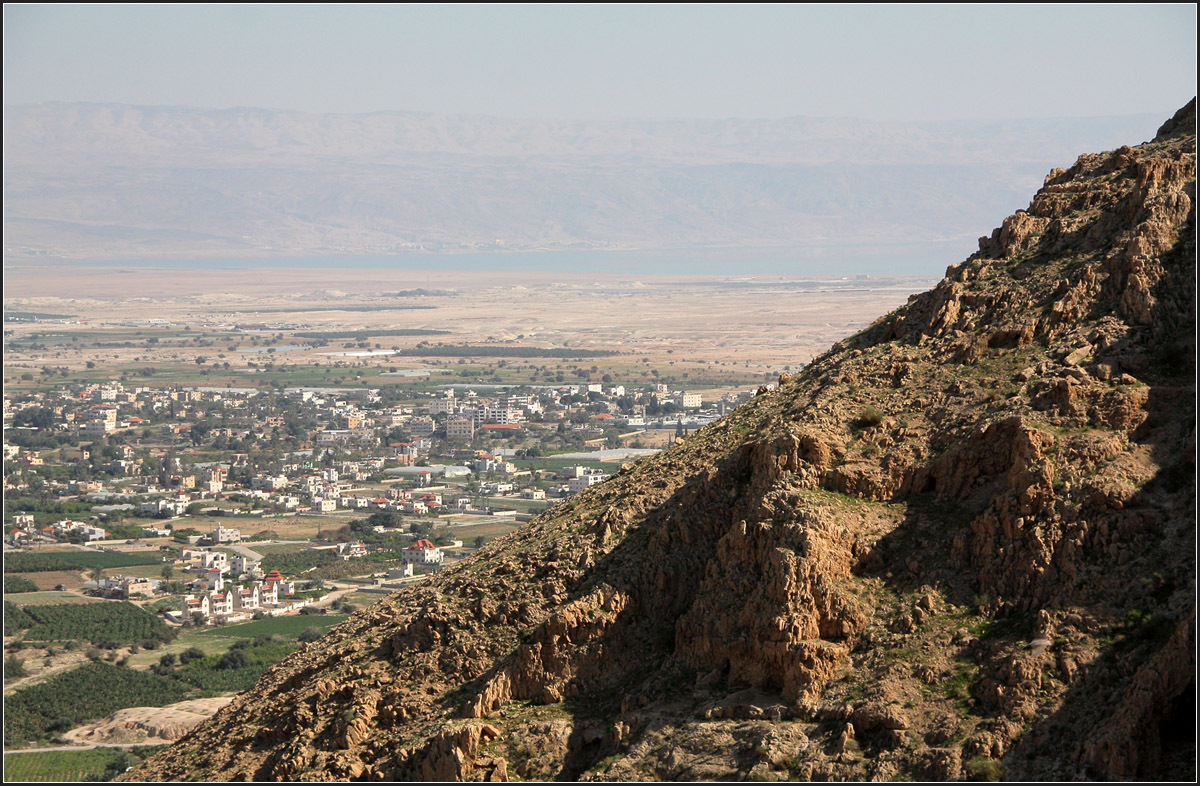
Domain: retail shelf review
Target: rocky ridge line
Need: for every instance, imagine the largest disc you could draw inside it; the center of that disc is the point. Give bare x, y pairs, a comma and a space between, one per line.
958, 544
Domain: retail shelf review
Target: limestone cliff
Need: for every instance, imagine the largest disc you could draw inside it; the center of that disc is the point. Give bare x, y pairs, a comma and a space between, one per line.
959, 544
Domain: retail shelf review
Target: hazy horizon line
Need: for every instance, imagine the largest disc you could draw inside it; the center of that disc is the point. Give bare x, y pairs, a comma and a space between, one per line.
612, 119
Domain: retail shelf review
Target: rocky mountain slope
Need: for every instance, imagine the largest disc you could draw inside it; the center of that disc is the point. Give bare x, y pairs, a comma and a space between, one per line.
959, 544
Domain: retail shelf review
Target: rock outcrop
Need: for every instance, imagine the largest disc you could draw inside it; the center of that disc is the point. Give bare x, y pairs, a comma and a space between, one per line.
147, 725
959, 544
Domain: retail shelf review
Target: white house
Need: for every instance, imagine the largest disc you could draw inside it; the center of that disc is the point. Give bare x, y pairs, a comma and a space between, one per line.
423, 552
223, 535
241, 565
353, 549
214, 559
584, 481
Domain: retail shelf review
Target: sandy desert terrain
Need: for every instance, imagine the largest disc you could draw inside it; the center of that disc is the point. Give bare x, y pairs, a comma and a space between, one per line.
709, 319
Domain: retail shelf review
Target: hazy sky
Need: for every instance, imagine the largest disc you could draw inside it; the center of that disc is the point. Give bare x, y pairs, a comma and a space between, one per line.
880, 62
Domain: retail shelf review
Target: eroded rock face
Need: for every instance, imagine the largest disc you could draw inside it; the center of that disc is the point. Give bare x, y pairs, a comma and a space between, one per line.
959, 544
148, 725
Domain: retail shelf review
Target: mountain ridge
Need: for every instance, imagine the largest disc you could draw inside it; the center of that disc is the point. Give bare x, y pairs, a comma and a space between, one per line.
114, 181
793, 140
958, 544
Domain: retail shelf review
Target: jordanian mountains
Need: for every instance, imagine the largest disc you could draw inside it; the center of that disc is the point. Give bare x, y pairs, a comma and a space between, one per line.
99, 180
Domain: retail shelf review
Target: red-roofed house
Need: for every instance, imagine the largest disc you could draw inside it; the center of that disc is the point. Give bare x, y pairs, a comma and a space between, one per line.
273, 586
424, 552
193, 604
246, 597
221, 603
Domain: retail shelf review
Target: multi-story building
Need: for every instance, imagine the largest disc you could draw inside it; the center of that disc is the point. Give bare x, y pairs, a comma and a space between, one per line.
421, 426
213, 559
241, 565
460, 428
584, 481
224, 535
423, 552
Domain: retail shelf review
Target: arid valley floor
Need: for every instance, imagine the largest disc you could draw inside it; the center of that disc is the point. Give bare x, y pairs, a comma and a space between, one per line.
701, 319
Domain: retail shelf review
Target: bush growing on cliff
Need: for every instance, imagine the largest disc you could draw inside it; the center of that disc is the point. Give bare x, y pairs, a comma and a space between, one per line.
310, 634
981, 768
868, 417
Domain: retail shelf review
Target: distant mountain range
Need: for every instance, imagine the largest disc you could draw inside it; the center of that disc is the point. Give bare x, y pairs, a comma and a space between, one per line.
113, 181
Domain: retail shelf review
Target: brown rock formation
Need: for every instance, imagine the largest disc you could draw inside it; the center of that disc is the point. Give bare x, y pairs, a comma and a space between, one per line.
959, 543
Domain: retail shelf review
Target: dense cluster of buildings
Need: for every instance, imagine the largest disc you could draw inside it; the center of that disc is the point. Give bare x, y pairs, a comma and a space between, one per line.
216, 600
103, 463
225, 588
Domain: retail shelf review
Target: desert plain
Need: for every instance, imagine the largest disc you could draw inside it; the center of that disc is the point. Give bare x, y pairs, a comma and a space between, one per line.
759, 324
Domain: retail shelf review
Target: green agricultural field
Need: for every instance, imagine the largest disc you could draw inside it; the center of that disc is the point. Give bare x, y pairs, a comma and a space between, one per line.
15, 619
278, 548
289, 626
32, 315
238, 669
291, 563
51, 597
86, 337
188, 638
517, 503
143, 571
489, 531
94, 690
22, 562
36, 562
112, 623
72, 766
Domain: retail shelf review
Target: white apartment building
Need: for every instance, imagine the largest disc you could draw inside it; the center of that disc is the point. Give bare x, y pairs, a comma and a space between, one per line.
223, 535
240, 565
582, 482
213, 559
